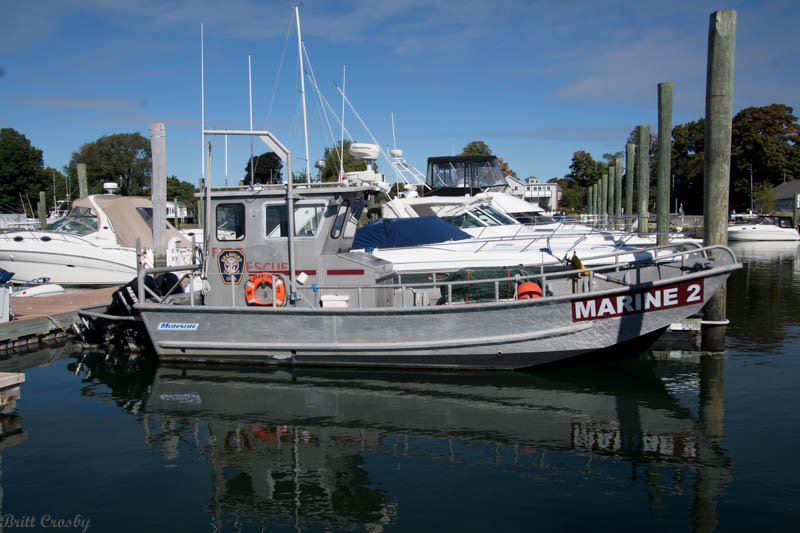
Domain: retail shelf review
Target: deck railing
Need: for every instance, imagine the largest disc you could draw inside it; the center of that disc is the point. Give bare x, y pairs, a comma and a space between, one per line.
583, 279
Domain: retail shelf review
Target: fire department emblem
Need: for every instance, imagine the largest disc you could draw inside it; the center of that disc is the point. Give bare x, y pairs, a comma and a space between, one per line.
231, 266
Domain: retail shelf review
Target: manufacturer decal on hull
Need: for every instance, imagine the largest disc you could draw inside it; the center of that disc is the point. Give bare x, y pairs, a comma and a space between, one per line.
183, 326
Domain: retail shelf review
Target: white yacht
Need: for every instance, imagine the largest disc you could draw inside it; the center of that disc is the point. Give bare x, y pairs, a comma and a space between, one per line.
764, 228
469, 192
94, 245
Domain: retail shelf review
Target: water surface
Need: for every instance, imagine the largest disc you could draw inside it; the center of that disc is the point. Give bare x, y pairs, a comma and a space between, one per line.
673, 440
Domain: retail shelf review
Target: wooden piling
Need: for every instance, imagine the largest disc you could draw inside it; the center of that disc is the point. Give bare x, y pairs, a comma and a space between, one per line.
589, 199
611, 192
159, 193
664, 161
618, 190
603, 197
42, 208
643, 175
719, 118
630, 153
83, 188
795, 209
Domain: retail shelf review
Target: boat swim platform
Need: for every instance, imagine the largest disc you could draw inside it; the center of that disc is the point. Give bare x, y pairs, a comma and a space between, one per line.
45, 318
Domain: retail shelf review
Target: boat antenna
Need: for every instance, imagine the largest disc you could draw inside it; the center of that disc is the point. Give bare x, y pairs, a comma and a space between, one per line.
252, 163
226, 156
341, 152
302, 89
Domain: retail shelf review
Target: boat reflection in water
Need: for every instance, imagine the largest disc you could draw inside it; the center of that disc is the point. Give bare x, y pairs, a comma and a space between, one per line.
347, 449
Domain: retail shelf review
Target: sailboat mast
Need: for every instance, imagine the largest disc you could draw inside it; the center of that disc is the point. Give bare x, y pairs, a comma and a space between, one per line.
302, 89
202, 113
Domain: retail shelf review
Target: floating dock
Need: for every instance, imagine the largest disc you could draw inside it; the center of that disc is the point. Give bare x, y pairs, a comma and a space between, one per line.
41, 319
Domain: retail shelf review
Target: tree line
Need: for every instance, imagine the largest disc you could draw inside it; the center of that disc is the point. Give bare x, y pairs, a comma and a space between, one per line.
122, 158
765, 151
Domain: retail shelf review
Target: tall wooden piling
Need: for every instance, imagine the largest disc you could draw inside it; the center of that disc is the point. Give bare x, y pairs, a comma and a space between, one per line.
83, 189
630, 153
42, 208
589, 199
611, 192
719, 118
643, 176
595, 205
604, 197
795, 209
618, 189
159, 192
664, 161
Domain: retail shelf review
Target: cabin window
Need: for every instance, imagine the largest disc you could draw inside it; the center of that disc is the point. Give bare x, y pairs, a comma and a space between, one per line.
147, 215
352, 221
338, 224
464, 220
230, 222
307, 221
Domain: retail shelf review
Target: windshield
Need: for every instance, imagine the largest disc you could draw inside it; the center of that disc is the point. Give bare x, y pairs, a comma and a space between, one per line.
79, 221
499, 215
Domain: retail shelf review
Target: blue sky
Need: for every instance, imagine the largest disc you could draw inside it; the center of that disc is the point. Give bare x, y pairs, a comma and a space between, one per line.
535, 80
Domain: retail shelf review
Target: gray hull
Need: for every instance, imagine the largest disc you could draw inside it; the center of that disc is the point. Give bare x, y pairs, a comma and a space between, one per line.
504, 335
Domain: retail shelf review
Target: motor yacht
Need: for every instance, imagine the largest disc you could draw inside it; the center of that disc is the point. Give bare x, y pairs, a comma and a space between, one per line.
94, 245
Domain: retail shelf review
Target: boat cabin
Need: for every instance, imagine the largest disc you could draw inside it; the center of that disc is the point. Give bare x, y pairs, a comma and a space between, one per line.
463, 174
248, 244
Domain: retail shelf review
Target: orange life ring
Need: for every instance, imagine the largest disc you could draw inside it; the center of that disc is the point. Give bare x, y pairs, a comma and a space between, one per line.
256, 281
528, 289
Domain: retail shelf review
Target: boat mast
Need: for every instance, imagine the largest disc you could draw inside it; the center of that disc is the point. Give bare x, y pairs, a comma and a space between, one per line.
250, 87
202, 113
302, 90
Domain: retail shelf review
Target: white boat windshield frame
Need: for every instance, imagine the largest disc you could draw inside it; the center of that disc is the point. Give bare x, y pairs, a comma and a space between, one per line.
80, 221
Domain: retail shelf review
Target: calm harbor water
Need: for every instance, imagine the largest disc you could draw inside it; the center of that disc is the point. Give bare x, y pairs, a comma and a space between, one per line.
677, 440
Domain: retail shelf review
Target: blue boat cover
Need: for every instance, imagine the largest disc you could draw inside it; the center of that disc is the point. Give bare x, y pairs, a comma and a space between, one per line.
396, 232
5, 275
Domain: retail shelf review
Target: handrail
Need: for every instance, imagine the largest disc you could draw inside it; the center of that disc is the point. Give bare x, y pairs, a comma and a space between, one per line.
598, 272
163, 270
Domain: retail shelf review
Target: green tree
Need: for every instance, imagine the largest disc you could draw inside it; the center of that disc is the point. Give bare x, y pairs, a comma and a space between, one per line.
21, 169
332, 158
764, 196
584, 170
183, 191
573, 196
122, 157
476, 148
267, 168
764, 147
687, 165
